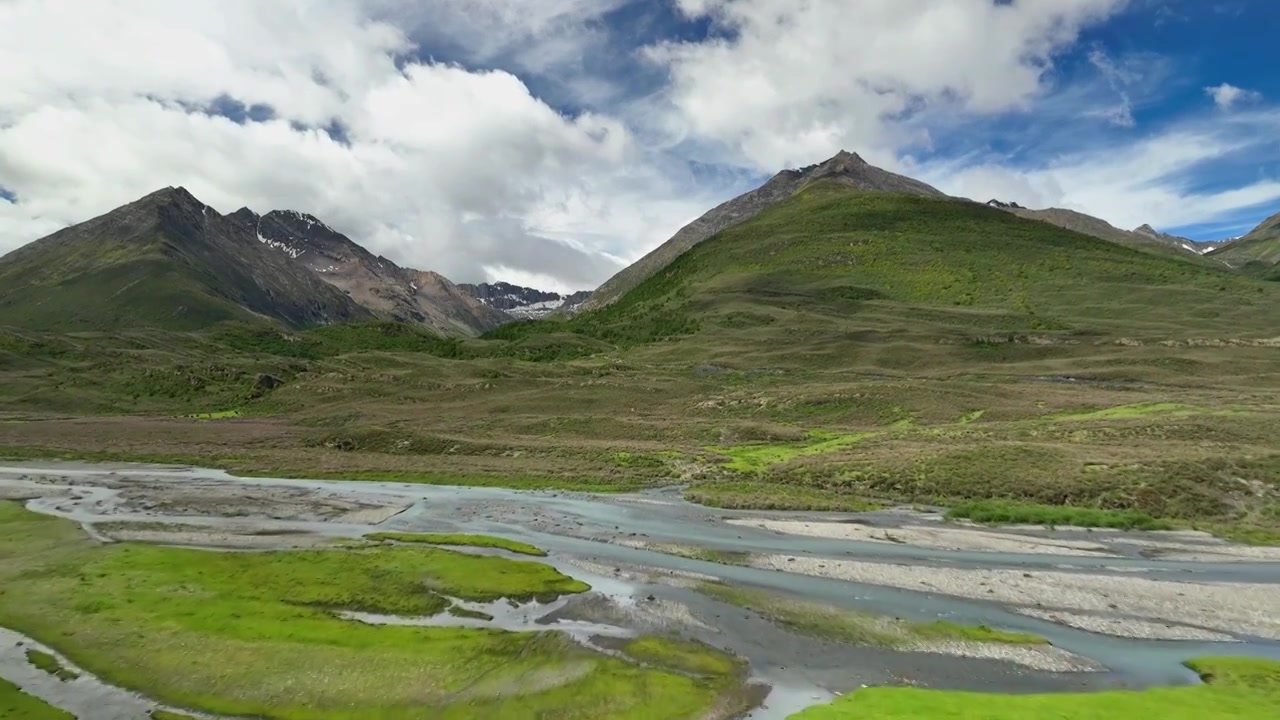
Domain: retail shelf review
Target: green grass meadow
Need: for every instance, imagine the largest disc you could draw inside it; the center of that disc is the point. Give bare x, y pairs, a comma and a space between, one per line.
256, 635
1235, 689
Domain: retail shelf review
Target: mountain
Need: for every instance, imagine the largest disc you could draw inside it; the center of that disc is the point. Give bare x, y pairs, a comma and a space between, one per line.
1199, 247
403, 294
523, 302
836, 271
166, 260
506, 296
1259, 249
846, 169
1143, 238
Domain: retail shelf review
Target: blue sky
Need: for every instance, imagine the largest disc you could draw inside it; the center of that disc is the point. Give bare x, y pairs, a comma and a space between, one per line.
1136, 74
552, 142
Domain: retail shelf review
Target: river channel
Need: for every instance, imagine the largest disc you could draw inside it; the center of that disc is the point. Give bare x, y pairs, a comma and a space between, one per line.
627, 547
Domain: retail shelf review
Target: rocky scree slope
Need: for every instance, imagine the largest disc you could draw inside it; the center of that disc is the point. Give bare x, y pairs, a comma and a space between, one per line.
168, 261
402, 294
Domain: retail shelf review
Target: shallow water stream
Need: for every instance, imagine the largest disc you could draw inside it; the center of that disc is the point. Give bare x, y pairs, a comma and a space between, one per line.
598, 539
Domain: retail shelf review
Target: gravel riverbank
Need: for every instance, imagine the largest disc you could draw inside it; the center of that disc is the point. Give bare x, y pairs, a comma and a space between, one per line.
938, 538
1230, 608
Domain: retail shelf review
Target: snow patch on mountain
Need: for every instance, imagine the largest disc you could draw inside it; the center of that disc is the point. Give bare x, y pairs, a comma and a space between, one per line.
522, 302
285, 248
536, 310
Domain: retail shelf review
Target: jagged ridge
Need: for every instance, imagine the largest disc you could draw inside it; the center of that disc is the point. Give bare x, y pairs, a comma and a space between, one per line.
373, 281
166, 260
523, 302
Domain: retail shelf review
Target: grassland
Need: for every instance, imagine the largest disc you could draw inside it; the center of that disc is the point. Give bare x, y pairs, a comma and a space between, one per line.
255, 634
481, 541
835, 624
50, 664
1129, 411
219, 415
17, 705
1234, 689
689, 656
838, 352
756, 458
998, 513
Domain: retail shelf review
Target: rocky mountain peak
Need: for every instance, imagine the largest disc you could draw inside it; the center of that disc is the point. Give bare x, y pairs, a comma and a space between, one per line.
518, 301
843, 161
1147, 230
169, 202
845, 168
301, 223
169, 195
1004, 205
244, 217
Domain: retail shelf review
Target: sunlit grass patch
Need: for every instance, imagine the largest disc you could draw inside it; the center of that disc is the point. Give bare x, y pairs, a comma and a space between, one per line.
759, 457
1234, 689
1123, 412
947, 630
219, 415
260, 635
685, 656
51, 665
482, 541
17, 705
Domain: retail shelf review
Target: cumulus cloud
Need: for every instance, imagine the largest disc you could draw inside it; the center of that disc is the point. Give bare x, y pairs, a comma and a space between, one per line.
1170, 179
1226, 95
412, 126
787, 83
429, 163
563, 43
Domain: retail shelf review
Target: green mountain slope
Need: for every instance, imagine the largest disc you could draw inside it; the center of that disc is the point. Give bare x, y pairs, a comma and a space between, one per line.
846, 169
166, 261
1143, 238
1259, 251
828, 262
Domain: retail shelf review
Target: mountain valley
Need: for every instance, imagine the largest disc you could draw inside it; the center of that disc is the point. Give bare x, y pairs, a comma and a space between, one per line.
843, 430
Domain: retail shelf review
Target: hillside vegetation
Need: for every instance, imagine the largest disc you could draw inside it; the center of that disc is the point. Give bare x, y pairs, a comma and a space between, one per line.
166, 261
1235, 688
924, 265
1258, 252
841, 348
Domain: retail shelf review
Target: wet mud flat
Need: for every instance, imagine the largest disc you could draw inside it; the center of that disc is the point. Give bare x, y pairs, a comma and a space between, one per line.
611, 543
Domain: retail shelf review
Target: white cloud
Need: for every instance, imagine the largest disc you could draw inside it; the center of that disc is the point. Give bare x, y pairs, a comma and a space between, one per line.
1226, 95
562, 42
445, 168
1118, 78
793, 82
465, 171
1162, 179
